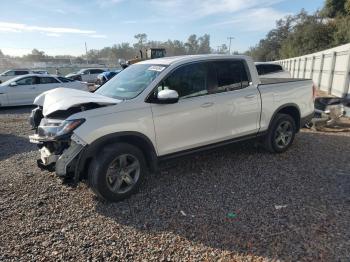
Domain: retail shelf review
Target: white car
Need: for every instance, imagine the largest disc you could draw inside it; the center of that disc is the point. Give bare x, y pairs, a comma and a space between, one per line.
271, 70
9, 74
163, 108
86, 75
22, 90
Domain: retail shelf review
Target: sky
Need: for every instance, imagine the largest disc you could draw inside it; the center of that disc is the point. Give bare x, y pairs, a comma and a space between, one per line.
60, 27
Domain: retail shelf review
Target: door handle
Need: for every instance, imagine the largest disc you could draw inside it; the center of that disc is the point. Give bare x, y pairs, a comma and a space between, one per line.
250, 96
207, 104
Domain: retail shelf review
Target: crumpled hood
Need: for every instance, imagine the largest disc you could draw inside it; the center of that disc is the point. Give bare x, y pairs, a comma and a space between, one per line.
65, 98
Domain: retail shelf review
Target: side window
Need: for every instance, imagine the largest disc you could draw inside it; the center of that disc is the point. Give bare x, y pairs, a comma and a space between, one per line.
231, 75
19, 73
10, 73
96, 71
188, 80
264, 69
260, 69
276, 68
26, 81
48, 80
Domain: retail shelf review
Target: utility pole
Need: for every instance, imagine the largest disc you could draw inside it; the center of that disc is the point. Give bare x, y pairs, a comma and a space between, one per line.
86, 52
229, 47
218, 48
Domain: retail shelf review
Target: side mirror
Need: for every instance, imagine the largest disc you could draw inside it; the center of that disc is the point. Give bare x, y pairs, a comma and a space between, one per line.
13, 84
167, 97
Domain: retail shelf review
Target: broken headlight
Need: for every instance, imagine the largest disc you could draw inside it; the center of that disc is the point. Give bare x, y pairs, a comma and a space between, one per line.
53, 130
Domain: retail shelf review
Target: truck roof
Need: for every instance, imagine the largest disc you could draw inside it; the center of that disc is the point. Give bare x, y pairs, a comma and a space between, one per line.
190, 58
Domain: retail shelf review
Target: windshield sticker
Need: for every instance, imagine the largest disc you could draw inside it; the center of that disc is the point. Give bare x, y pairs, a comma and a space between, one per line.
156, 68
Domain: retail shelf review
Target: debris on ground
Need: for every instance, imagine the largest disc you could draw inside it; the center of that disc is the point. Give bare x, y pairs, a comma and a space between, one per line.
231, 215
183, 213
277, 207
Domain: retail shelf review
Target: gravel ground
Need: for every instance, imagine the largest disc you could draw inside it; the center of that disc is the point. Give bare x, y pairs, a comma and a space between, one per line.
236, 203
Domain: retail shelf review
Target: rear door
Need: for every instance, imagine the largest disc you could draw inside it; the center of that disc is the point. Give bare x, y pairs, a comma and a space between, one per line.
192, 121
47, 83
65, 82
24, 92
237, 100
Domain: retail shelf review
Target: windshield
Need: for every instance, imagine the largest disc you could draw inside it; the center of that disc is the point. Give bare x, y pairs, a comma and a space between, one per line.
6, 83
4, 73
130, 82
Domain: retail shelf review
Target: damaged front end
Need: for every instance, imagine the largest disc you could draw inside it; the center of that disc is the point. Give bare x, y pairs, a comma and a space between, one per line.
53, 121
59, 147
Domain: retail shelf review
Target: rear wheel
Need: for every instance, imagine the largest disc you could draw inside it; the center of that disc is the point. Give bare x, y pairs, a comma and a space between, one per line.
281, 134
117, 172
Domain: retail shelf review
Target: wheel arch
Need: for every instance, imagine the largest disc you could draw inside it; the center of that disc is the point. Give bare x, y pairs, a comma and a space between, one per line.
289, 109
136, 139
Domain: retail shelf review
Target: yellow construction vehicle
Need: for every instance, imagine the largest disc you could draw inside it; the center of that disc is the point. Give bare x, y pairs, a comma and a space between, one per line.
151, 53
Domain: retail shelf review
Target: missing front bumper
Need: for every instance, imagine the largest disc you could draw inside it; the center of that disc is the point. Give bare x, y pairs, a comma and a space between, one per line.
59, 163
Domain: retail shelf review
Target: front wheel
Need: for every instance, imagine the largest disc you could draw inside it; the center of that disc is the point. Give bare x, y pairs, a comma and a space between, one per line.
281, 134
117, 172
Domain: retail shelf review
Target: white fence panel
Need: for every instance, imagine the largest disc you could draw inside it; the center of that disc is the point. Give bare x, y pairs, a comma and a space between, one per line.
329, 69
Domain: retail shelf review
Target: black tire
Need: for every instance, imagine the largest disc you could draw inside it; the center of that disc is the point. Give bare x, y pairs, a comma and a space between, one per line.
273, 142
101, 170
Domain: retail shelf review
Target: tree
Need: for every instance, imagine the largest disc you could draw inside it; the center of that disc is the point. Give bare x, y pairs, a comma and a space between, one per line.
347, 7
36, 55
192, 45
334, 8
310, 34
204, 44
141, 39
174, 48
269, 48
342, 32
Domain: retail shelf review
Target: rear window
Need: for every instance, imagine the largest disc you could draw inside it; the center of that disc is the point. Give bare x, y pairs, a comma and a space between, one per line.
96, 71
264, 69
19, 73
48, 80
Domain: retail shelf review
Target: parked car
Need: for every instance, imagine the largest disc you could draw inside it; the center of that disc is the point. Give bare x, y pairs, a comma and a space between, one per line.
22, 90
163, 108
86, 75
7, 75
271, 70
106, 76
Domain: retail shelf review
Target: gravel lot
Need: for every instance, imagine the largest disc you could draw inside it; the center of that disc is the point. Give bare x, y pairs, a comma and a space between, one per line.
237, 203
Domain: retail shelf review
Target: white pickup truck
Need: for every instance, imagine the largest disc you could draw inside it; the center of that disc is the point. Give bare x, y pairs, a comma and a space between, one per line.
163, 108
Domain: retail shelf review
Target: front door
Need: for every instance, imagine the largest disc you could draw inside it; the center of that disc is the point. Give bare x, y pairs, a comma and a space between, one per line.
23, 92
192, 121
